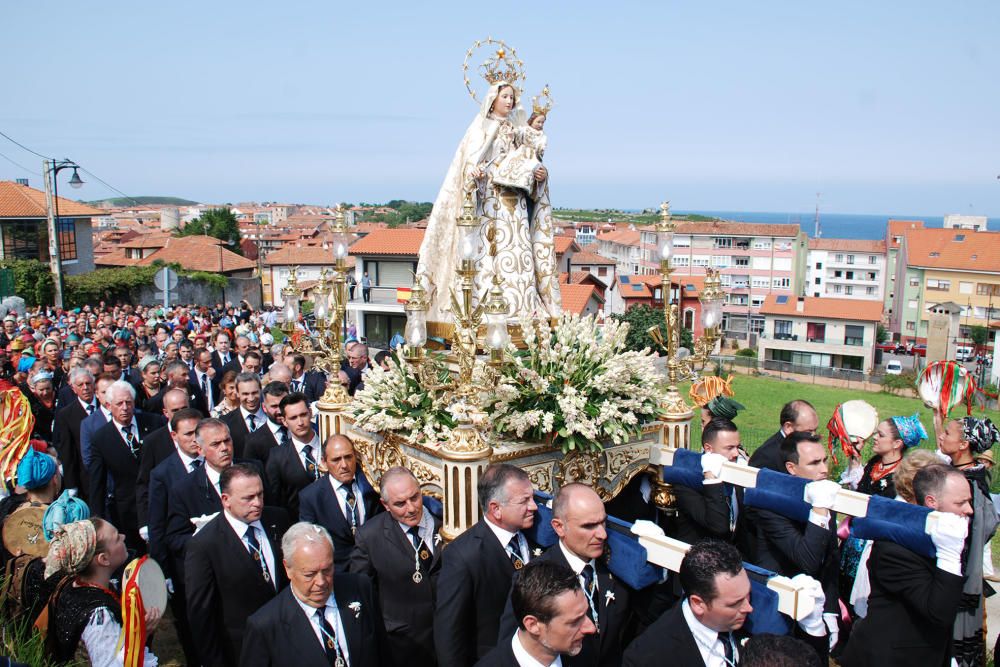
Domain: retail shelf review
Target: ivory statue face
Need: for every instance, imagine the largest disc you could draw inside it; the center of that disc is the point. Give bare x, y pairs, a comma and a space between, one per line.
538, 122
504, 102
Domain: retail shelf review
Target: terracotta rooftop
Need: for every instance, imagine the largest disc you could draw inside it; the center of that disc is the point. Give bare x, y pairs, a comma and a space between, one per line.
629, 237
292, 254
848, 245
574, 278
899, 227
823, 308
956, 249
725, 228
564, 243
635, 287
194, 253
585, 258
21, 201
576, 297
404, 242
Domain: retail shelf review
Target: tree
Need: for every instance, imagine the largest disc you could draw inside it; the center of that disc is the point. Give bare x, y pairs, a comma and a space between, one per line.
640, 319
881, 334
217, 222
978, 335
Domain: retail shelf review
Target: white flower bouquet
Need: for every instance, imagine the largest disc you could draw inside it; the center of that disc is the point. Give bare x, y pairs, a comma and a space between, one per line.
575, 386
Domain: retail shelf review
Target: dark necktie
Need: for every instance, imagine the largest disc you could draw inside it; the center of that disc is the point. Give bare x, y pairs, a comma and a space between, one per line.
330, 645
589, 588
423, 554
258, 555
251, 423
205, 391
91, 408
727, 648
730, 492
352, 507
310, 461
284, 438
195, 464
514, 552
296, 386
130, 440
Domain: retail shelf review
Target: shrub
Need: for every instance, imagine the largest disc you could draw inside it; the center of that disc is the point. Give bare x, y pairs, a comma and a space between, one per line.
33, 280
899, 384
746, 352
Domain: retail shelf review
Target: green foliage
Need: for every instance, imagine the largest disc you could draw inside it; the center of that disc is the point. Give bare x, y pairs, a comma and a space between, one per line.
881, 334
403, 212
213, 279
106, 284
33, 280
747, 352
220, 223
901, 384
978, 335
640, 319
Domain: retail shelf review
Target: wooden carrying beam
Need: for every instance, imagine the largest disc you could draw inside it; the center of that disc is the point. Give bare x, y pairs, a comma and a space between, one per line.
668, 553
848, 502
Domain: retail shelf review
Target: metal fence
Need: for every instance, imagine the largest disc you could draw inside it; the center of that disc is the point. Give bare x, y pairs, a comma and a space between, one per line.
780, 369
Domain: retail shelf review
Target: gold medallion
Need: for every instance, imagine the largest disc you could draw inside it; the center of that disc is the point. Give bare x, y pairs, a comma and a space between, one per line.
518, 565
417, 577
424, 554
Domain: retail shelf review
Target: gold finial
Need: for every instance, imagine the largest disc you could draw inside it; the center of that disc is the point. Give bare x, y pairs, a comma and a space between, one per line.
542, 103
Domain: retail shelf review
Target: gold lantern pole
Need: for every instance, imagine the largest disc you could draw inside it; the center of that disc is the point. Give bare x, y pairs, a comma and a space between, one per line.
334, 405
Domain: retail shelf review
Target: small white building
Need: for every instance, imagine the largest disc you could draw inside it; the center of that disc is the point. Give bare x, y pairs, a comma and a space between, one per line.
846, 269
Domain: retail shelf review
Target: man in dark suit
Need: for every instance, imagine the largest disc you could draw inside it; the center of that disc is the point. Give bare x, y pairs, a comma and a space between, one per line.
322, 618
233, 567
205, 381
791, 547
292, 468
222, 355
914, 599
237, 361
712, 510
117, 447
249, 417
553, 619
477, 568
158, 446
164, 480
705, 627
66, 393
312, 383
795, 416
260, 443
66, 430
400, 551
175, 375
578, 518
342, 500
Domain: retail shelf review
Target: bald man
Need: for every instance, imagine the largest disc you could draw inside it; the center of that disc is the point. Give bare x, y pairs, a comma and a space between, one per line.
578, 518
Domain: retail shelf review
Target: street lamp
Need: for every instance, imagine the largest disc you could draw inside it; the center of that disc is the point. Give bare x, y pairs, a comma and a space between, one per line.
290, 295
50, 170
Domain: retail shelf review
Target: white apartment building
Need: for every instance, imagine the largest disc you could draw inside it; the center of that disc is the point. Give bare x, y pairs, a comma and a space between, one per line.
846, 269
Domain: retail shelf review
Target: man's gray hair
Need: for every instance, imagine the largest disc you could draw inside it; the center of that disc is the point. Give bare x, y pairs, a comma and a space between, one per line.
493, 483
211, 422
78, 373
394, 473
303, 531
116, 387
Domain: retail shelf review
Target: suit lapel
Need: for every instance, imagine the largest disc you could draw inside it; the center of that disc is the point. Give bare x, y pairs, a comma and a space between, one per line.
299, 630
334, 504
352, 627
399, 539
242, 554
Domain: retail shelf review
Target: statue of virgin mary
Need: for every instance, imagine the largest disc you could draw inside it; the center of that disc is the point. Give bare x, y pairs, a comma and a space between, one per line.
516, 230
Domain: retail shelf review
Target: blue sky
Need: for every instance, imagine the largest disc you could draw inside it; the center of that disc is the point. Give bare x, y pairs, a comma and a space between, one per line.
887, 107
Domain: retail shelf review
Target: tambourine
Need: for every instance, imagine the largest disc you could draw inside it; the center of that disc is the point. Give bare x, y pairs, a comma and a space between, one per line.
148, 576
943, 385
852, 423
23, 533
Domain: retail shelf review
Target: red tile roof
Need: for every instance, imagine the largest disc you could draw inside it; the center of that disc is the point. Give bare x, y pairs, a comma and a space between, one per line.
576, 297
585, 258
194, 253
21, 201
824, 308
400, 241
956, 249
725, 228
848, 245
899, 227
564, 243
629, 237
292, 254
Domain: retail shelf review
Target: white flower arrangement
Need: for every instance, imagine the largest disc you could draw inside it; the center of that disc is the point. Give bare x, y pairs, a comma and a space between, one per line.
395, 401
576, 386
356, 608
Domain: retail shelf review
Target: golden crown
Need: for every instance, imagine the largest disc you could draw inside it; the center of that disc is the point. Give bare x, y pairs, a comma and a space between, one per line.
502, 65
543, 107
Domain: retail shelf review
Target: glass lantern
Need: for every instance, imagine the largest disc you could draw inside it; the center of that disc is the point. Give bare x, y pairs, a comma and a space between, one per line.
665, 234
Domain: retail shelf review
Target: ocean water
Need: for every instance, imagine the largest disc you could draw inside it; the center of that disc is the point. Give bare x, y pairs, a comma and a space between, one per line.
832, 225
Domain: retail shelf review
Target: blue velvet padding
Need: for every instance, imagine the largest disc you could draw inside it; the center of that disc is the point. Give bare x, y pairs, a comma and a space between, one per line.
685, 470
779, 493
541, 532
434, 506
628, 559
765, 617
897, 522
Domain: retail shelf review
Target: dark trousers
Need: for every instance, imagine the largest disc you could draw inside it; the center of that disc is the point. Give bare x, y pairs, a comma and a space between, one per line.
367, 291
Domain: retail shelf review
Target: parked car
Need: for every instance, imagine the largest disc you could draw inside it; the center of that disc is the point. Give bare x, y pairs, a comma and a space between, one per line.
964, 353
894, 367
920, 350
886, 347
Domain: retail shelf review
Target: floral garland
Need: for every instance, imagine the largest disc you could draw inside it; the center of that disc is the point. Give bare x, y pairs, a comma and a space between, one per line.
396, 401
576, 386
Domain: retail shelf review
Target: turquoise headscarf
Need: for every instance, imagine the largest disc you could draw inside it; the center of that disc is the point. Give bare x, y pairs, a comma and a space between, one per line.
35, 470
911, 431
67, 509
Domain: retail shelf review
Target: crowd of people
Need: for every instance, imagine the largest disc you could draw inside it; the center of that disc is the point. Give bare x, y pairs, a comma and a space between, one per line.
190, 435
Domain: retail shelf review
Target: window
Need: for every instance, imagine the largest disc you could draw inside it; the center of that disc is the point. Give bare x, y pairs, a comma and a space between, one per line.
912, 303
682, 241
720, 261
25, 239
838, 274
680, 261
914, 281
854, 335
837, 289
380, 328
850, 259
723, 242
819, 265
757, 325
761, 245
783, 329
911, 326
870, 275
67, 238
725, 280
781, 283
872, 259
756, 301
699, 261
391, 274
741, 261
869, 291
987, 289
819, 281
849, 275
816, 332
760, 282
602, 270
840, 258
964, 288
939, 285
849, 290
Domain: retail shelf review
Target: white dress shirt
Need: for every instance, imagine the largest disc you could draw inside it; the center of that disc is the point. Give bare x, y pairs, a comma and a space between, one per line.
504, 536
86, 406
577, 564
425, 528
132, 426
524, 658
240, 528
332, 615
213, 478
259, 418
315, 453
212, 399
708, 640
187, 459
340, 491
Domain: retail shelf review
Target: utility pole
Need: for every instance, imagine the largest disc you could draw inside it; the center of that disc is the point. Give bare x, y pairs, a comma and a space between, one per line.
50, 171
817, 232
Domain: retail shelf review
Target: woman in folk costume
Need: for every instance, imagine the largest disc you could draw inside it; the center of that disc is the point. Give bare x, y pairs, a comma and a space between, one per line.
84, 609
516, 245
961, 440
38, 476
714, 396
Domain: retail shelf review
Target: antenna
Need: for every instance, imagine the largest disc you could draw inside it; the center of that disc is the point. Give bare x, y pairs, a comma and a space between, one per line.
817, 232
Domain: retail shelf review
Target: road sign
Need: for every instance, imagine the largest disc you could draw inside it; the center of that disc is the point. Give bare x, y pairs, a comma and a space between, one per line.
165, 280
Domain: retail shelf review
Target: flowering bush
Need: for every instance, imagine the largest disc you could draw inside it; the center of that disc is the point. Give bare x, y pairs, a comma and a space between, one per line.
576, 386
395, 401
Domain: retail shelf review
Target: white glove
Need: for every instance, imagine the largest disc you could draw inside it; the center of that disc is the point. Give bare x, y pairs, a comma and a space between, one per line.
200, 521
948, 532
833, 629
813, 623
647, 528
144, 533
170, 586
712, 463
821, 494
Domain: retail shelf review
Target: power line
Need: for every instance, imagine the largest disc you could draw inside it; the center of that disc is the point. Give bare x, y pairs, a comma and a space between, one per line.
109, 186
21, 166
18, 143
